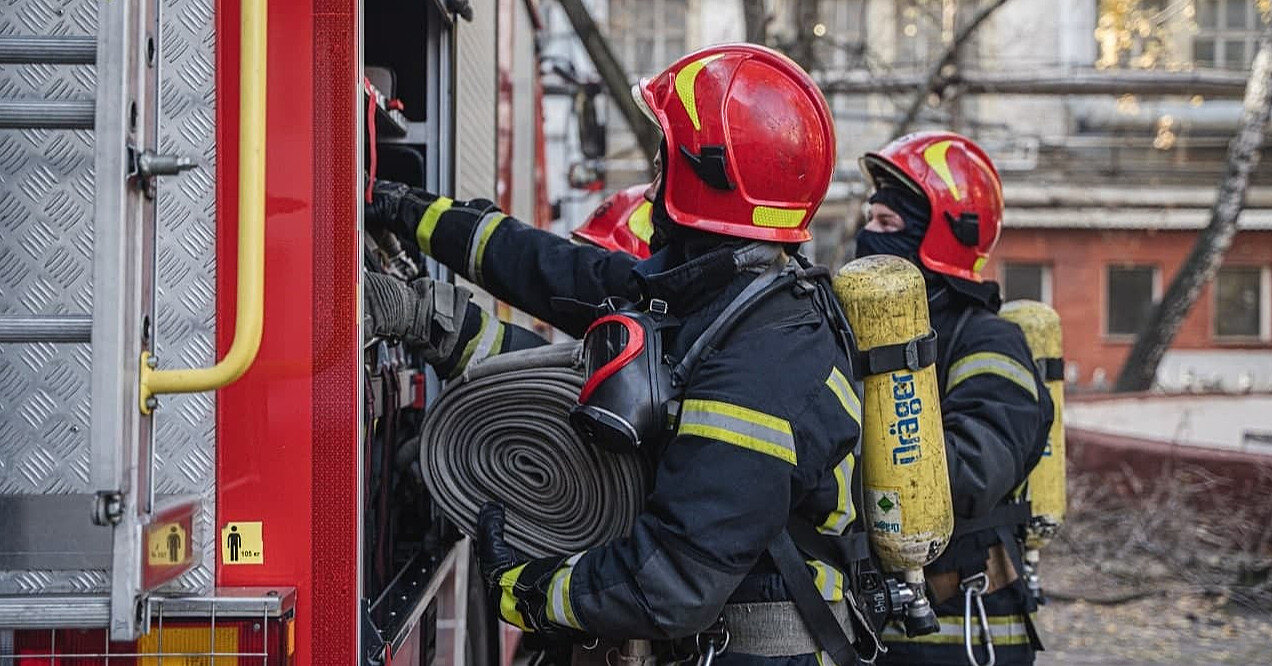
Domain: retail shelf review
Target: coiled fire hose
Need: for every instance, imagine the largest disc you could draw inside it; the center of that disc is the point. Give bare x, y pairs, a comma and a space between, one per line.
501, 432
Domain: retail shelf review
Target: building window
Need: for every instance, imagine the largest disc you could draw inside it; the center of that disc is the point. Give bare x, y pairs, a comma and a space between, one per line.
1241, 302
1227, 34
647, 35
1031, 281
1131, 292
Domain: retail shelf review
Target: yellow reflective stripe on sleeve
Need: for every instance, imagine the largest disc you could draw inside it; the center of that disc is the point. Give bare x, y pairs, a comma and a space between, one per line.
489, 340
844, 513
829, 580
428, 222
484, 338
508, 600
559, 609
481, 235
992, 363
842, 388
1005, 630
739, 426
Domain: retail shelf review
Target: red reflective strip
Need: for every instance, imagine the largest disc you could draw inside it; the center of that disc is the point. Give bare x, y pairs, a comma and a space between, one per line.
335, 506
635, 343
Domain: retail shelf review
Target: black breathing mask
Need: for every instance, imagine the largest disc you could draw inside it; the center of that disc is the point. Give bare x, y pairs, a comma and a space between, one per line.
631, 381
623, 403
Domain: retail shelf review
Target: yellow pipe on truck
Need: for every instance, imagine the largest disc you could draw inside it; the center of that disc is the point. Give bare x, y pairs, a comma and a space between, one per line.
904, 471
250, 310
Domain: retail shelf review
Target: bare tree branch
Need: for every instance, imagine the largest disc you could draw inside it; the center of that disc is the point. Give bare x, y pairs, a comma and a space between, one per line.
935, 75
1213, 242
615, 78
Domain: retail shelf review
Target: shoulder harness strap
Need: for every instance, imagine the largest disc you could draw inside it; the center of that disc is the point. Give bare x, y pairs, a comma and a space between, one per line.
943, 369
773, 279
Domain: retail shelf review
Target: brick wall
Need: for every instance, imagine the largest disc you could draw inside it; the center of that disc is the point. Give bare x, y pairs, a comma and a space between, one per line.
1078, 260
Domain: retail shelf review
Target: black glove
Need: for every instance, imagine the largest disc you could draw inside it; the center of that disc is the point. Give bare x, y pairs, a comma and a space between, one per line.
397, 208
518, 585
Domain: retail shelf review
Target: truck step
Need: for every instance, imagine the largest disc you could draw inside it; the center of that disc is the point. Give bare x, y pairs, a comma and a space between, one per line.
46, 114
46, 328
64, 50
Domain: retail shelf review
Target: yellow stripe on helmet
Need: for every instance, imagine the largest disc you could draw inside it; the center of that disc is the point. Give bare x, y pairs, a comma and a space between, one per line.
640, 223
685, 80
777, 218
934, 155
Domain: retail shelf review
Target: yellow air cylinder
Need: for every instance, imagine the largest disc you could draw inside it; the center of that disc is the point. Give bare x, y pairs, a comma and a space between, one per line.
1041, 326
904, 471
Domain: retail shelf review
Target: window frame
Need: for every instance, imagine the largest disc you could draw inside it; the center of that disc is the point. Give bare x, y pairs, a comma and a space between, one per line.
1045, 279
623, 33
1107, 300
1265, 307
1220, 34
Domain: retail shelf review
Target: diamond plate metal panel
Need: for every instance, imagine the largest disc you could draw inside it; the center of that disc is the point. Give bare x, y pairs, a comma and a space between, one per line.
46, 219
185, 460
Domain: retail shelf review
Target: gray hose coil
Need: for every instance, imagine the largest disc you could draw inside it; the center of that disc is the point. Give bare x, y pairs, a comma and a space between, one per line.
501, 432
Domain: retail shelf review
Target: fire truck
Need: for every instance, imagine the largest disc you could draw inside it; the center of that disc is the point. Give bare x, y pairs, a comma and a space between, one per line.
202, 458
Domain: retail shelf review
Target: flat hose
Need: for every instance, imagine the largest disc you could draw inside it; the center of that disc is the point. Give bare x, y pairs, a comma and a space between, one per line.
501, 432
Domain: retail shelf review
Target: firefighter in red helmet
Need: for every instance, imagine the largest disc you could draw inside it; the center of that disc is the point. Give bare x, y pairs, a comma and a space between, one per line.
622, 222
736, 347
938, 202
451, 331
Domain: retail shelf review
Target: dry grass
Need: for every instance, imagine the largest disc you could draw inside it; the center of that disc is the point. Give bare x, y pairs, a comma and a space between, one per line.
1169, 571
1186, 530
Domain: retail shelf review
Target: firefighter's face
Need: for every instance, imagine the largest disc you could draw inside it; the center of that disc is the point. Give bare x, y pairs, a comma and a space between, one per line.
884, 219
651, 192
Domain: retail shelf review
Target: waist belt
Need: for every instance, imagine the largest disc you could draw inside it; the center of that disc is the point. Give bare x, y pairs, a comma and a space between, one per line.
998, 569
1003, 515
775, 628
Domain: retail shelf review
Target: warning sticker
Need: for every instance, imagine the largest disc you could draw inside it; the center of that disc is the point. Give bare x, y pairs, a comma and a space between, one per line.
166, 545
241, 543
884, 509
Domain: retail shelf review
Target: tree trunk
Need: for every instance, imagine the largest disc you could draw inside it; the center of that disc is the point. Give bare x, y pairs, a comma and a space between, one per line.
1213, 242
936, 74
756, 20
807, 13
615, 78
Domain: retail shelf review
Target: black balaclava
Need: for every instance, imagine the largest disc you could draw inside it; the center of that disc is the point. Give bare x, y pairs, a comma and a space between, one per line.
913, 208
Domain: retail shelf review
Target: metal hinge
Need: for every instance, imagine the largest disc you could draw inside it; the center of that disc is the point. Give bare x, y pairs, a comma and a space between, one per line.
108, 508
146, 165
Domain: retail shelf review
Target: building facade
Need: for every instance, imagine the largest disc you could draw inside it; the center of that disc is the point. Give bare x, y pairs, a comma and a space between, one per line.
1103, 279
1102, 190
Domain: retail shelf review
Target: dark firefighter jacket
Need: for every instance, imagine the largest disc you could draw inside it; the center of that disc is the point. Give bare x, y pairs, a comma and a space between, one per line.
996, 413
766, 425
482, 335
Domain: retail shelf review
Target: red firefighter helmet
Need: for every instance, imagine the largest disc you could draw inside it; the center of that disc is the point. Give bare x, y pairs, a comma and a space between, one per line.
620, 223
964, 192
750, 142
